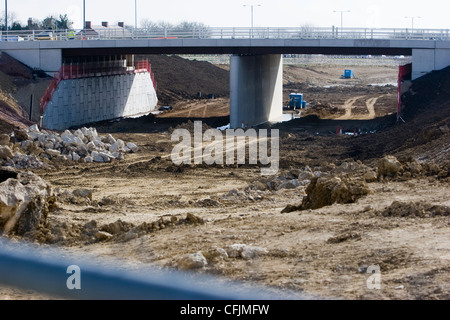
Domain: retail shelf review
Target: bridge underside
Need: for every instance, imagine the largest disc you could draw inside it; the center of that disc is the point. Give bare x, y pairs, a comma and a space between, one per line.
332, 50
256, 73
255, 78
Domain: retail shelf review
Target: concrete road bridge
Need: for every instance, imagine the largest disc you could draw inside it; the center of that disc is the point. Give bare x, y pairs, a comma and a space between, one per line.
256, 54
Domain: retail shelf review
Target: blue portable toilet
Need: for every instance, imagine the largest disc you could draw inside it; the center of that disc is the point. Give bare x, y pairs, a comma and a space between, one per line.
348, 74
296, 100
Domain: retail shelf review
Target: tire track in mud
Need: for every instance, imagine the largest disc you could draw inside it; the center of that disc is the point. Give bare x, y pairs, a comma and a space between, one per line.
348, 106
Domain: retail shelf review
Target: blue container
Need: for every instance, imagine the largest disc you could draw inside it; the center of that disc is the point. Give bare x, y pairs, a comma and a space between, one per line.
348, 74
295, 100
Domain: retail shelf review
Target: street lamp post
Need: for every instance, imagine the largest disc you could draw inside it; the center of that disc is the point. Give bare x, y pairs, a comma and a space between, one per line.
6, 20
251, 6
412, 22
342, 17
84, 19
135, 14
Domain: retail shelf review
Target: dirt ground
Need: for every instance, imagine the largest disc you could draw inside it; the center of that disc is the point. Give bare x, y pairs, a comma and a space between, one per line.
157, 213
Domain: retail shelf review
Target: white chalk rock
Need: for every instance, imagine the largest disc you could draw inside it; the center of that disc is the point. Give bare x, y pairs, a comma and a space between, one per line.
89, 159
34, 128
82, 150
132, 147
114, 147
117, 155
53, 152
91, 146
49, 144
250, 252
34, 135
97, 157
90, 133
106, 157
68, 139
192, 261
234, 251
98, 143
110, 139
26, 144
78, 133
244, 251
103, 235
75, 156
120, 143
23, 199
78, 142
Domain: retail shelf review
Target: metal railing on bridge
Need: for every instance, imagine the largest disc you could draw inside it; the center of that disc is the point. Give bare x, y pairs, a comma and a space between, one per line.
230, 33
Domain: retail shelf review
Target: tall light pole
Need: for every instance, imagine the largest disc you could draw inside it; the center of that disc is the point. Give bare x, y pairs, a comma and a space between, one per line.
6, 15
342, 17
251, 6
135, 14
412, 21
84, 16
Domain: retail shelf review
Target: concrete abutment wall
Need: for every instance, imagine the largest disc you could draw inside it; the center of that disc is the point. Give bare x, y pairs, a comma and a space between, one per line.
256, 89
79, 101
427, 60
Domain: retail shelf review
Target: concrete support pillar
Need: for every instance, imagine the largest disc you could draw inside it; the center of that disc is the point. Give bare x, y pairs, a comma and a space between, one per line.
256, 89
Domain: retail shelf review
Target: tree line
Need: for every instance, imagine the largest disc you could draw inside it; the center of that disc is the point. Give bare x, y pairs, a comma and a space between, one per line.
150, 25
50, 22
64, 22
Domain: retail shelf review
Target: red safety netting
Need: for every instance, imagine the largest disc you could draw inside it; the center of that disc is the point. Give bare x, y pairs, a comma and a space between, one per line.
404, 72
96, 69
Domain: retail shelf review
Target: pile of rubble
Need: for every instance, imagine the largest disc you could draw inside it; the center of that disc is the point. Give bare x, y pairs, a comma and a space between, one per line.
213, 255
25, 201
84, 145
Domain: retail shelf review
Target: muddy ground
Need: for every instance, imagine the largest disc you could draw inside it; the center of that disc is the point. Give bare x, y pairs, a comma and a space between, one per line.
156, 213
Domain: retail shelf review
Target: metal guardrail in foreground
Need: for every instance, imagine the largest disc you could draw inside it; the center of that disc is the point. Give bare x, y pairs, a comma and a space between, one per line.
102, 33
45, 271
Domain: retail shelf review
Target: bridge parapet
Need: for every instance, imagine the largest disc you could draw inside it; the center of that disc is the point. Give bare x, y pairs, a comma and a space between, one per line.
238, 33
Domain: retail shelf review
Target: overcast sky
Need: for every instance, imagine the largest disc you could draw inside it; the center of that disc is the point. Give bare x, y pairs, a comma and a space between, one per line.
434, 14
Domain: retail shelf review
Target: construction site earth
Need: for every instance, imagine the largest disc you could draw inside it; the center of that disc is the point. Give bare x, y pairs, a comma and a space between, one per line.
339, 204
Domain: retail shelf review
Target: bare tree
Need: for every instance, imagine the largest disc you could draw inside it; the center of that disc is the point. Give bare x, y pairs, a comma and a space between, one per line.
12, 18
64, 22
185, 28
306, 31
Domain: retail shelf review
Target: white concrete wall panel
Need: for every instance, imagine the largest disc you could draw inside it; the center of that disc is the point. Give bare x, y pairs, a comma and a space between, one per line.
50, 60
80, 101
423, 62
442, 58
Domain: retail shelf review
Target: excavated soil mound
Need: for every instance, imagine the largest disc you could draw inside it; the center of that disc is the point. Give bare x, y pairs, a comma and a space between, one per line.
13, 74
11, 114
182, 79
328, 190
14, 68
426, 115
414, 209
